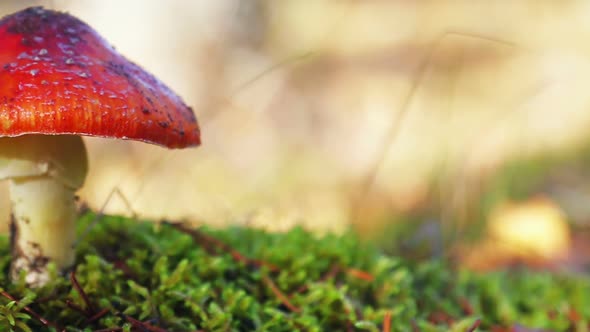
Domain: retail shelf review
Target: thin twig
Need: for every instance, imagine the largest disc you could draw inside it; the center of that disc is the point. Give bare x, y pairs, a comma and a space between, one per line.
143, 325
90, 309
98, 315
395, 124
111, 329
91, 313
33, 313
278, 65
332, 273
280, 295
210, 243
70, 304
100, 214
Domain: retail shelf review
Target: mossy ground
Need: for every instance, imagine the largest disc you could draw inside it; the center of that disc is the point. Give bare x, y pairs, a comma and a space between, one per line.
144, 277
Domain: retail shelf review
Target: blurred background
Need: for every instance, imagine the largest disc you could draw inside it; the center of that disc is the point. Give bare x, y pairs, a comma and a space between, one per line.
433, 128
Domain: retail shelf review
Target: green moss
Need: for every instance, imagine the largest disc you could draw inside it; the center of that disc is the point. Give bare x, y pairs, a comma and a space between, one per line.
175, 281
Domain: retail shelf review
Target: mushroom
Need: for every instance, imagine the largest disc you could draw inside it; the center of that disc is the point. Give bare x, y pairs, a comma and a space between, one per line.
59, 80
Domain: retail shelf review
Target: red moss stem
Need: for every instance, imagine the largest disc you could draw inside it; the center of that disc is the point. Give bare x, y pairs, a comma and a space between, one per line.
387, 322
360, 274
474, 326
466, 306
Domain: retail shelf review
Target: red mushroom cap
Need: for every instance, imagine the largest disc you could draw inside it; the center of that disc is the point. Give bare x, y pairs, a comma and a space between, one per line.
58, 76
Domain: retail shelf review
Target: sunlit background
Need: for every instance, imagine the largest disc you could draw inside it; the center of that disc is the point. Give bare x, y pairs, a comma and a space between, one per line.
465, 122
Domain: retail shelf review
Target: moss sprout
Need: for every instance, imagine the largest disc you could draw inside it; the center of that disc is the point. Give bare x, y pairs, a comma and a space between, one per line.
140, 276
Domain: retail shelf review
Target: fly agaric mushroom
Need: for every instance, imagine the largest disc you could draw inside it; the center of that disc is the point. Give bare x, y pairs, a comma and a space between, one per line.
58, 80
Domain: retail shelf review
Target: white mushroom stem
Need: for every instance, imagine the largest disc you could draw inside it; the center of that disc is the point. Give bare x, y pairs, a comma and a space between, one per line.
44, 173
43, 227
